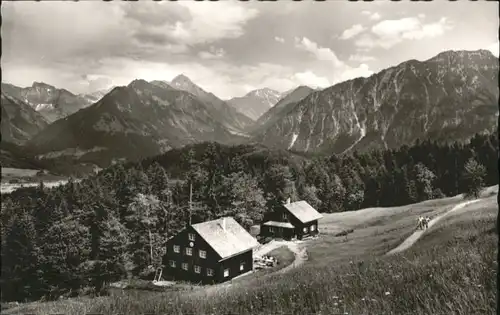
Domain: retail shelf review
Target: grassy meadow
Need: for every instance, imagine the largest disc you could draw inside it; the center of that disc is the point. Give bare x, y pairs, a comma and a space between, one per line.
450, 270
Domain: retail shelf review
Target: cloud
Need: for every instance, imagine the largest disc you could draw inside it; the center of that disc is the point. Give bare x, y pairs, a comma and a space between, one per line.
388, 33
222, 79
310, 79
351, 73
279, 39
341, 71
93, 82
188, 23
352, 31
375, 16
361, 58
428, 30
372, 16
321, 53
212, 53
227, 46
156, 14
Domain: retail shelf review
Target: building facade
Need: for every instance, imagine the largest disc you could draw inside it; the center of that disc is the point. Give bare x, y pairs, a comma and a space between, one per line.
291, 220
210, 252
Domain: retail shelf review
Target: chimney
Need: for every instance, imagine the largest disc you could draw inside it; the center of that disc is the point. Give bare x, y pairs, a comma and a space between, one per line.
288, 201
224, 224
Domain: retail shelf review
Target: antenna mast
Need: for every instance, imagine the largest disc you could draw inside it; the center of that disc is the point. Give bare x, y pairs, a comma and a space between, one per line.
190, 200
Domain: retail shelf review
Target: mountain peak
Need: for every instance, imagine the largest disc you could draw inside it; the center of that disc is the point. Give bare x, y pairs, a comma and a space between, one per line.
262, 92
162, 84
181, 79
300, 88
303, 87
139, 83
449, 88
42, 85
481, 53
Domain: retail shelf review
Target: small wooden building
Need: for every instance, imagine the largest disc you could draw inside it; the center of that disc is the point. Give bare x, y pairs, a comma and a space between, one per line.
210, 252
292, 220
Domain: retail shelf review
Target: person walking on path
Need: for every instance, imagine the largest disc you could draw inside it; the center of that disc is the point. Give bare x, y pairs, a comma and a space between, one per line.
420, 223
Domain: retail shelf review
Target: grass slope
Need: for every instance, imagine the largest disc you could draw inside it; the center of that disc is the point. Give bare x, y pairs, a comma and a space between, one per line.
447, 271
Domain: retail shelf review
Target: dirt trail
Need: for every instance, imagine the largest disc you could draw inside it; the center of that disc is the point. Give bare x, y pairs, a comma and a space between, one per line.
417, 234
299, 249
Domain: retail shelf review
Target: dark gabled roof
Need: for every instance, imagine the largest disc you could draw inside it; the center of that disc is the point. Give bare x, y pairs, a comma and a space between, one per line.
226, 236
303, 211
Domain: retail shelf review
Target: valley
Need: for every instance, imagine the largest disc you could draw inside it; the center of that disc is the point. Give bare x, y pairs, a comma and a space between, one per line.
412, 101
13, 179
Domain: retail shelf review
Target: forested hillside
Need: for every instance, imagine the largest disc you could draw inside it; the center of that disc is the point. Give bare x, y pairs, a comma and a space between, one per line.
121, 217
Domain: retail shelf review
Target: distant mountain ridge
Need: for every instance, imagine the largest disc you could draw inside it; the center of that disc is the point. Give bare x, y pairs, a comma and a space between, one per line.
20, 122
97, 95
235, 121
448, 97
282, 107
51, 102
134, 121
255, 103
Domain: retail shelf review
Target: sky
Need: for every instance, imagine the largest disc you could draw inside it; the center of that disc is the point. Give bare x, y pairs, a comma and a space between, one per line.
229, 47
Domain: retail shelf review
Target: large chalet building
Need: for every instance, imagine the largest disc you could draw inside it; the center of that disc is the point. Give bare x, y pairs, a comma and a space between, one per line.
210, 252
291, 220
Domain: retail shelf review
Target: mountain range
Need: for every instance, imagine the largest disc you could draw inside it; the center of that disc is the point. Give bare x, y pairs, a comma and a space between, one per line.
97, 95
235, 121
134, 121
255, 103
448, 97
49, 101
451, 96
282, 107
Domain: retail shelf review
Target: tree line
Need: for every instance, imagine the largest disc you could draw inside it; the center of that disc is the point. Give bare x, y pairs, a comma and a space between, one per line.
73, 239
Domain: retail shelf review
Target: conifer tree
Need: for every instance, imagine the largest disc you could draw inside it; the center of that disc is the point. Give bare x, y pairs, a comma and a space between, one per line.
473, 178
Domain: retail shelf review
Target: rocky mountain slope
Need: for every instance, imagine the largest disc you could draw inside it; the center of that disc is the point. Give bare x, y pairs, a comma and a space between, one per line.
282, 107
51, 102
256, 103
448, 97
235, 121
134, 121
20, 122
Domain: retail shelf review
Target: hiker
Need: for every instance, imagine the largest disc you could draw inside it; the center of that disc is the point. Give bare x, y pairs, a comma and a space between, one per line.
420, 225
426, 222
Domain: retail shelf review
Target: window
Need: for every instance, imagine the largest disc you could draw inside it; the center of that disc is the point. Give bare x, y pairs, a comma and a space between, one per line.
197, 269
226, 273
305, 230
191, 236
189, 251
242, 266
177, 249
271, 229
313, 227
203, 254
185, 266
210, 272
284, 216
172, 263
